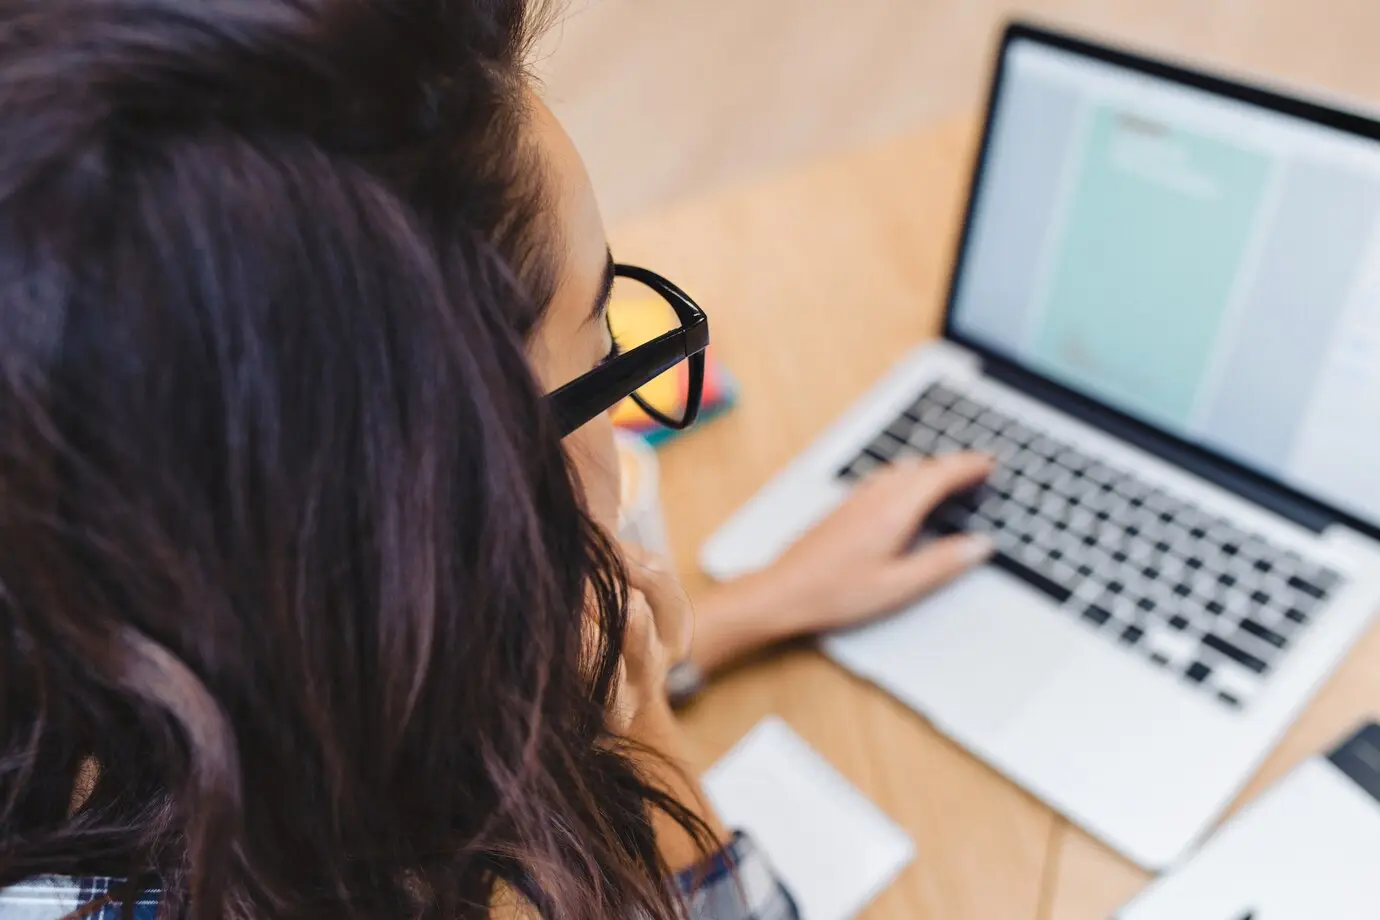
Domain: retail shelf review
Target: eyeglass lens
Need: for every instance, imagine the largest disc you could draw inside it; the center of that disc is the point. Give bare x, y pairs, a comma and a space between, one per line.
637, 315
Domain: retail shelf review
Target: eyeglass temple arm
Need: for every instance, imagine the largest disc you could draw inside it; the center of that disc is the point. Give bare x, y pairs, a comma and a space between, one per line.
582, 399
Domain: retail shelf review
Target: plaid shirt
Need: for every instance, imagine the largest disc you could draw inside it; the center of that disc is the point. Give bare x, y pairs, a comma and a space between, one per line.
737, 884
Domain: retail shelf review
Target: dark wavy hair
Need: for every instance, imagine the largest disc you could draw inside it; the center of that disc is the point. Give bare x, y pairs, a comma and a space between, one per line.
295, 580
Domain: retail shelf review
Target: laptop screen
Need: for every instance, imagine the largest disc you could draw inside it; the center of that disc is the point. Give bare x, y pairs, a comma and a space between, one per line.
1209, 266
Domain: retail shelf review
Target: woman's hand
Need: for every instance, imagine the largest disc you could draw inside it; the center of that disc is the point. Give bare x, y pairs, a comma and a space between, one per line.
660, 621
856, 564
660, 624
859, 561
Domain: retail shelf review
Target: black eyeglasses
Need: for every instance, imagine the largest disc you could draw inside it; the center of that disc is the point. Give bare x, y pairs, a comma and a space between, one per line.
668, 337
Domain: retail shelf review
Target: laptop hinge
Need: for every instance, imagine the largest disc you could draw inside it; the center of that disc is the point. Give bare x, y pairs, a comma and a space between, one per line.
1251, 486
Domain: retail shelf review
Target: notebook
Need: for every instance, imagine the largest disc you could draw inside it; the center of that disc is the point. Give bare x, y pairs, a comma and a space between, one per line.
834, 850
1307, 849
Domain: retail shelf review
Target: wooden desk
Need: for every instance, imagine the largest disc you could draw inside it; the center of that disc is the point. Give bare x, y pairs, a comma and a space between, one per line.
816, 281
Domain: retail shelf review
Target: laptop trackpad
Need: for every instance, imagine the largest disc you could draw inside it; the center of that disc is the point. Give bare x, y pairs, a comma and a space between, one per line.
970, 656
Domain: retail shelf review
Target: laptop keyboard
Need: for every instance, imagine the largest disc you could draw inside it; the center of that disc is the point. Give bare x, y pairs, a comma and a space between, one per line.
1185, 590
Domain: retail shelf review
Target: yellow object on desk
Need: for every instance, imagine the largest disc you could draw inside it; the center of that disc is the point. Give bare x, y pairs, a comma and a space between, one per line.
817, 281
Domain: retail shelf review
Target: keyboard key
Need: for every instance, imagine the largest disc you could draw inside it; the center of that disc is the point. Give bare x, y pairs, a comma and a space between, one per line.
1158, 501
1327, 580
1030, 576
941, 395
946, 445
966, 408
1296, 615
993, 421
981, 440
1096, 614
1205, 584
1073, 460
901, 428
963, 432
1241, 657
1089, 591
876, 455
1062, 572
1099, 472
1021, 434
916, 412
1304, 586
1229, 699
1197, 672
1172, 569
1231, 678
1132, 634
1264, 633
1005, 452
922, 440
1126, 610
1178, 622
1180, 647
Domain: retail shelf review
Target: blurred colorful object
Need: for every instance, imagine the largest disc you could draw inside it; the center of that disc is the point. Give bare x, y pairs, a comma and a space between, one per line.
641, 319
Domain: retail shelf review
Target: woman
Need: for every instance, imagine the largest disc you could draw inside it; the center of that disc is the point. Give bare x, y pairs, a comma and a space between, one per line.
307, 607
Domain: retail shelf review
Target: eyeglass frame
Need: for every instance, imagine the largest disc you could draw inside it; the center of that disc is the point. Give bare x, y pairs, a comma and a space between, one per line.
585, 397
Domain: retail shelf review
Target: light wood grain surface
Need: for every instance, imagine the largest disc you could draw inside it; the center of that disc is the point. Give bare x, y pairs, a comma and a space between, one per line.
816, 280
670, 98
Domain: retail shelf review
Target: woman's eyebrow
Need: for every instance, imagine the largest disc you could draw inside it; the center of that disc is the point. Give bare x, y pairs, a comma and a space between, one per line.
601, 301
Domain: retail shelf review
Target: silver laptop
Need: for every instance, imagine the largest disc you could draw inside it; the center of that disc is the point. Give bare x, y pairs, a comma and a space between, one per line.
1164, 322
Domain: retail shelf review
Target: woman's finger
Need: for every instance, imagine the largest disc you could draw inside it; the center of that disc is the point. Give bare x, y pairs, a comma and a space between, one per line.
670, 605
917, 487
642, 644
891, 504
934, 565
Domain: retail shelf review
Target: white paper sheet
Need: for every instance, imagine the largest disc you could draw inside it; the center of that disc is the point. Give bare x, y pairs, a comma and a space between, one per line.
834, 849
